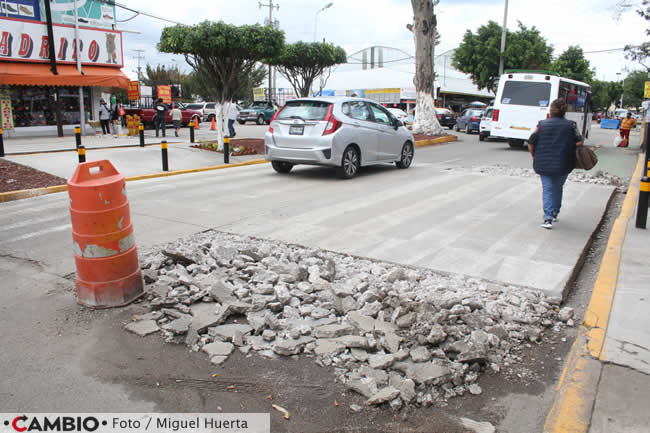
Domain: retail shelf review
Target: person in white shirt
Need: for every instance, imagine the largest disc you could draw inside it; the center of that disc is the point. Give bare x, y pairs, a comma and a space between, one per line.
232, 116
176, 118
104, 117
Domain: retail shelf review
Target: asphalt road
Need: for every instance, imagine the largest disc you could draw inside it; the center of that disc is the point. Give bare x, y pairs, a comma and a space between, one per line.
66, 358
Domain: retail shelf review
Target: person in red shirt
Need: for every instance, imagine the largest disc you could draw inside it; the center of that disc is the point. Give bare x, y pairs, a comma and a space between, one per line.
626, 124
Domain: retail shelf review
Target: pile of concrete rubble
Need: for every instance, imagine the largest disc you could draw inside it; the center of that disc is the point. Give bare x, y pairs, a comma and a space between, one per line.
594, 176
393, 334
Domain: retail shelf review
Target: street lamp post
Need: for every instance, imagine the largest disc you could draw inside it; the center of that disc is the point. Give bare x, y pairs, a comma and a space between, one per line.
503, 38
623, 92
328, 5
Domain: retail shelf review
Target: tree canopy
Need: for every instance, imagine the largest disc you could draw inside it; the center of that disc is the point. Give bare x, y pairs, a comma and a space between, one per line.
572, 64
301, 63
222, 55
478, 54
640, 53
633, 89
605, 93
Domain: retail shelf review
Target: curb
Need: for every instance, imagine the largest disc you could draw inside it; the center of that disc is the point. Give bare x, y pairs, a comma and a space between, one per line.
578, 385
118, 146
27, 193
439, 140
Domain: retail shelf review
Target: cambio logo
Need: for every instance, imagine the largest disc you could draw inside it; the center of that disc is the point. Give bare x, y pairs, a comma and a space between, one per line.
59, 423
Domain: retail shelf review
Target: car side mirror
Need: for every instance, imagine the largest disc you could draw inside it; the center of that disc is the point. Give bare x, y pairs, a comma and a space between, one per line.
397, 124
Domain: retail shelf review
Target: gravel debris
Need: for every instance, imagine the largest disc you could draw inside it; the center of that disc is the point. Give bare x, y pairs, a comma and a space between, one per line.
394, 334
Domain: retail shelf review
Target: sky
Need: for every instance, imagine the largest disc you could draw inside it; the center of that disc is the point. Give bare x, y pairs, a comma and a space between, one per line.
357, 24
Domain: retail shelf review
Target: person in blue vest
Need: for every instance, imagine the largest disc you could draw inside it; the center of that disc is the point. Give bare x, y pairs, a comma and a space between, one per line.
553, 148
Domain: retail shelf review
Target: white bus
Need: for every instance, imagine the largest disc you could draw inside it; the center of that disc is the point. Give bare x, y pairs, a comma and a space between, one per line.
524, 98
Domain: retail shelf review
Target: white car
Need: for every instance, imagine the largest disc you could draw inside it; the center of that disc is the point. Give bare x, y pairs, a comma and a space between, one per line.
485, 125
336, 131
399, 114
208, 109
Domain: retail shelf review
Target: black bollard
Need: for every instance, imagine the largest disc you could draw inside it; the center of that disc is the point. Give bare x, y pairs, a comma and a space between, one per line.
642, 207
165, 163
77, 135
81, 151
226, 150
2, 144
141, 129
191, 131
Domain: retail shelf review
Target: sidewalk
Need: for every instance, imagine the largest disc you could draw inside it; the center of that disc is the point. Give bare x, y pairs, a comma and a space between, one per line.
605, 386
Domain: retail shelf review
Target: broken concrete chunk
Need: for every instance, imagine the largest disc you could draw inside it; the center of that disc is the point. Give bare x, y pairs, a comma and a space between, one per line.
333, 331
420, 354
180, 325
359, 354
406, 387
380, 361
206, 315
362, 388
406, 320
218, 348
565, 314
423, 372
227, 332
328, 347
384, 395
291, 347
143, 327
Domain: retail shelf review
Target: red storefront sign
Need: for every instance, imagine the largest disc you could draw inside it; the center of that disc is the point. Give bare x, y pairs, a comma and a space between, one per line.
165, 92
134, 91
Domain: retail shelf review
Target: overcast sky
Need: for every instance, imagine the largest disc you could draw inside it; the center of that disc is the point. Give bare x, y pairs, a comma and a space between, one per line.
357, 24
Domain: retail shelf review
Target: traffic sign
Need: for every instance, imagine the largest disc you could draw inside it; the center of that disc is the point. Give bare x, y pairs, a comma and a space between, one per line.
646, 90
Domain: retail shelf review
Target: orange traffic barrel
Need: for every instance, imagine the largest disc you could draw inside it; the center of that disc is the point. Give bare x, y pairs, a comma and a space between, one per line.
108, 271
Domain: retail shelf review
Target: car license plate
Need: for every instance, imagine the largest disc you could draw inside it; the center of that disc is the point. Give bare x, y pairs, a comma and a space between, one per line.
296, 130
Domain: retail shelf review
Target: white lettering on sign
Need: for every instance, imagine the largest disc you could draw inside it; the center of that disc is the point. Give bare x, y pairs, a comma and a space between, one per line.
28, 42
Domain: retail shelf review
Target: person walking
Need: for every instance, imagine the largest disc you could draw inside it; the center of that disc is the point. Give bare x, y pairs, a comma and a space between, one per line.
232, 116
177, 115
626, 124
160, 116
553, 149
104, 116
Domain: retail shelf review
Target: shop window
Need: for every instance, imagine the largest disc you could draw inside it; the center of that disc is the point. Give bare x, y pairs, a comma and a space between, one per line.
36, 106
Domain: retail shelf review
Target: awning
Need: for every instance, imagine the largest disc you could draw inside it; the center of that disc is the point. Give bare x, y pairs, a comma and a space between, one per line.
40, 74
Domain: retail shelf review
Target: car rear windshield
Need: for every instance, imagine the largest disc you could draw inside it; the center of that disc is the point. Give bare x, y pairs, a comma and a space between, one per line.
306, 110
194, 106
526, 93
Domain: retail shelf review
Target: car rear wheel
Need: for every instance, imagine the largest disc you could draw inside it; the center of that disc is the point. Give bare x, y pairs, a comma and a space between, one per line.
451, 126
517, 144
281, 166
349, 163
260, 120
481, 137
406, 157
456, 127
241, 122
467, 130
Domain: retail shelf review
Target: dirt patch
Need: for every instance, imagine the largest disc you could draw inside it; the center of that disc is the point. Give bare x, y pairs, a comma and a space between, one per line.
239, 146
15, 177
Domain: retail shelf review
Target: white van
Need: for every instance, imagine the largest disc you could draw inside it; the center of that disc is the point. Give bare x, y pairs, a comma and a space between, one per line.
524, 98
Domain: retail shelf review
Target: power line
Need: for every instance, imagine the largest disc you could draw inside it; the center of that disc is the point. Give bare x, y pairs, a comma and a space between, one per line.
114, 3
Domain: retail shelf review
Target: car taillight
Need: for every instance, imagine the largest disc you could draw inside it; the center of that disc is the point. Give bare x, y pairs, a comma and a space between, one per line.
548, 115
333, 124
474, 118
495, 115
438, 116
273, 118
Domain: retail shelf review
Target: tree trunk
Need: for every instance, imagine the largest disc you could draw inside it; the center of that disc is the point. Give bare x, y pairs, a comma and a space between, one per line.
424, 29
219, 108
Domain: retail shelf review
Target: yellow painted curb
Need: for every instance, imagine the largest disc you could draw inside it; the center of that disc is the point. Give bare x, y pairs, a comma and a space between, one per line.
27, 193
439, 140
577, 387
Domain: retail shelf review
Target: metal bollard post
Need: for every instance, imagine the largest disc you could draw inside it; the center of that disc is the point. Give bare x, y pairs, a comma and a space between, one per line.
191, 131
642, 207
226, 150
77, 135
165, 162
2, 144
81, 151
141, 129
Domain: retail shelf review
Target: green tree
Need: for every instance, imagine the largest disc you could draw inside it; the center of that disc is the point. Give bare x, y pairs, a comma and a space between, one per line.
633, 89
478, 54
605, 93
572, 64
640, 53
195, 86
302, 63
223, 56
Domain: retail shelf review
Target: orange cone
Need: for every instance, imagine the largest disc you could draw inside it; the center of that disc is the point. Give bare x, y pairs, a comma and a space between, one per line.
213, 126
196, 123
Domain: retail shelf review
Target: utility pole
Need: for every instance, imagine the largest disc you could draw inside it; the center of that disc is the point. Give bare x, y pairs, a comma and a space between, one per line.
277, 7
139, 57
503, 39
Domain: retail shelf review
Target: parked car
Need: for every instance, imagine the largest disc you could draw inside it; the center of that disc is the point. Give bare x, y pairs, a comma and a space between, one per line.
620, 113
147, 114
337, 131
208, 109
485, 124
258, 112
446, 117
469, 120
399, 115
